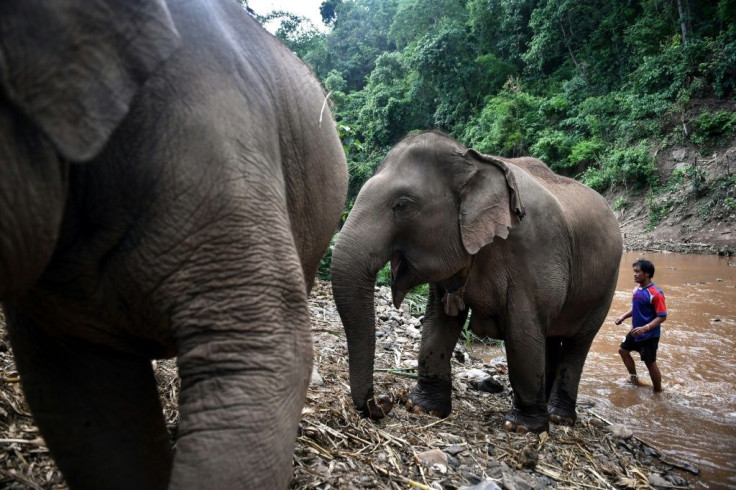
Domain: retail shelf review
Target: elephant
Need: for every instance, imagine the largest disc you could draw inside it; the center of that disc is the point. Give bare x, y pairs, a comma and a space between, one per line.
171, 176
532, 257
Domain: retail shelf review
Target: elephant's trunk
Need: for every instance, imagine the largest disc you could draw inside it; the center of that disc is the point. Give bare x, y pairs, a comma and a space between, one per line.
354, 268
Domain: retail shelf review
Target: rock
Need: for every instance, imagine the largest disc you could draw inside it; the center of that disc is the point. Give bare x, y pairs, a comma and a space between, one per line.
680, 154
450, 438
490, 385
656, 480
316, 379
494, 469
475, 374
453, 461
511, 482
486, 484
454, 450
620, 431
433, 457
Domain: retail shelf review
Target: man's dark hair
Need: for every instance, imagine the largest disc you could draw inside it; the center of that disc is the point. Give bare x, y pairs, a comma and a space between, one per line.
645, 266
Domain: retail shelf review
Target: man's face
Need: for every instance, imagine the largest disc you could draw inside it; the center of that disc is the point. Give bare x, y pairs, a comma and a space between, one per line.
640, 277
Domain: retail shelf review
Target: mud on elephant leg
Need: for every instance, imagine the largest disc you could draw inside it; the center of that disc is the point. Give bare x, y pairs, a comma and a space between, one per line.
433, 393
98, 409
567, 370
432, 396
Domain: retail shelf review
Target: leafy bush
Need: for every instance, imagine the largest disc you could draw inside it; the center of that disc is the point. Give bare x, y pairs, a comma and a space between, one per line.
383, 278
628, 165
587, 151
658, 210
710, 126
597, 178
506, 125
323, 272
620, 203
554, 147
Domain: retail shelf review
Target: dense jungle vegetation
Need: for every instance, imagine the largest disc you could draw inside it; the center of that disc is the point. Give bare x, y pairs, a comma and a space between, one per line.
587, 86
584, 85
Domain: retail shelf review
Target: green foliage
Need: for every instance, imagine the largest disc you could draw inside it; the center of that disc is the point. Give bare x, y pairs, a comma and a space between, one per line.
383, 278
620, 203
555, 147
628, 166
587, 151
659, 208
323, 271
579, 84
711, 126
507, 123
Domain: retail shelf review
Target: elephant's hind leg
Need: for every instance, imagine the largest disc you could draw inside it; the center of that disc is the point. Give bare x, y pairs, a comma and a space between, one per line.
564, 368
97, 409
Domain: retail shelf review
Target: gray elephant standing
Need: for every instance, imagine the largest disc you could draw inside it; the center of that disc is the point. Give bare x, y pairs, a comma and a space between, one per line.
170, 180
535, 256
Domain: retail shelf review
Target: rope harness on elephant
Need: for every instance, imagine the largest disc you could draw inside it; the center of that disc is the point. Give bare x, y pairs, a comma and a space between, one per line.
454, 300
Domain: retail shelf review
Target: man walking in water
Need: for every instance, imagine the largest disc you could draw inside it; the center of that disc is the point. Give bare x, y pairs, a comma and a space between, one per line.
648, 311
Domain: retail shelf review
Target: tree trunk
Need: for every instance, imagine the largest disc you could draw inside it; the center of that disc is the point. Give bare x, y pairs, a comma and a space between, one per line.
683, 20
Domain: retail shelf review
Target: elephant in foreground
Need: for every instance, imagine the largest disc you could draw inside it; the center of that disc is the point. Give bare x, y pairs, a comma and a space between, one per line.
170, 179
534, 257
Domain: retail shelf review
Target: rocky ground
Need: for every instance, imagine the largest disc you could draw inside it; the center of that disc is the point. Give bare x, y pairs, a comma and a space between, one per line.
336, 448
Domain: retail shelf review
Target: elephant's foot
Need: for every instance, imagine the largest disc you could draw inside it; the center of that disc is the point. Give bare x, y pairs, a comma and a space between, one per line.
431, 396
522, 422
562, 419
562, 410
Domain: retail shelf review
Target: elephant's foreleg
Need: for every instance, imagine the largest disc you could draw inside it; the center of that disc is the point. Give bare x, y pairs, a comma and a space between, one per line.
439, 336
245, 356
98, 410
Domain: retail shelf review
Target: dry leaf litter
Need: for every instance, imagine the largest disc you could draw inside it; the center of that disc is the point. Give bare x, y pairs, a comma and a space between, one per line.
337, 448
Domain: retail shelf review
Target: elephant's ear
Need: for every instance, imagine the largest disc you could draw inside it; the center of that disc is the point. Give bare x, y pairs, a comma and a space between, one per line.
73, 66
490, 203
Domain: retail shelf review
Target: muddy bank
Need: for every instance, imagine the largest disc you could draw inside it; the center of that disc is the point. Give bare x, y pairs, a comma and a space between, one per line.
691, 210
336, 448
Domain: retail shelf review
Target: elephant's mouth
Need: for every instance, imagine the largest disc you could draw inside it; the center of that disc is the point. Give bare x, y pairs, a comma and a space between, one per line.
399, 269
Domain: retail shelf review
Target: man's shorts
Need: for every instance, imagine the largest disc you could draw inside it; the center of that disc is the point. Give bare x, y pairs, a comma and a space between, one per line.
646, 348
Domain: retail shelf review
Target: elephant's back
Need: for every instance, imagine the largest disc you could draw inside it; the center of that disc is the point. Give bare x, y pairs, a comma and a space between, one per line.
595, 242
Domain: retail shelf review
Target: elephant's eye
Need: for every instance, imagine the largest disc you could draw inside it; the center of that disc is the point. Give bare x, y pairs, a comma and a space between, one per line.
400, 205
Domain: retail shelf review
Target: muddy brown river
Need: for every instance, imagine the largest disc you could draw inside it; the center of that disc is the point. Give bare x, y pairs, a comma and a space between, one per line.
694, 419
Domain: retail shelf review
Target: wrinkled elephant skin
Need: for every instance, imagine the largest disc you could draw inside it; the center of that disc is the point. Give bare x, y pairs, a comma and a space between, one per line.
170, 179
531, 256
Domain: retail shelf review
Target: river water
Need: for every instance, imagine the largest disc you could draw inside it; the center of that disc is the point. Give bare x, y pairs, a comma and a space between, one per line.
694, 419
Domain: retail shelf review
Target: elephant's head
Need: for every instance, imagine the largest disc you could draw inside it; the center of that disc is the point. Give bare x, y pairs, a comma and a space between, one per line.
69, 71
430, 207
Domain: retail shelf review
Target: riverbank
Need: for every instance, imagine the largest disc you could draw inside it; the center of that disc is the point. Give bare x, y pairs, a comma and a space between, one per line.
691, 210
336, 448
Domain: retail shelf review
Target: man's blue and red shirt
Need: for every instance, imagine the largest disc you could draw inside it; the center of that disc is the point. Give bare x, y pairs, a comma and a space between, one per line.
648, 303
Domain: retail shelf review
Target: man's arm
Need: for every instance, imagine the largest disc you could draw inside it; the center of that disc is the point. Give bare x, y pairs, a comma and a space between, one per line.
623, 317
649, 326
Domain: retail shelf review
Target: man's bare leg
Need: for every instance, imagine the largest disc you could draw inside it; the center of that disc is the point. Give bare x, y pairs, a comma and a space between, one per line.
655, 375
630, 365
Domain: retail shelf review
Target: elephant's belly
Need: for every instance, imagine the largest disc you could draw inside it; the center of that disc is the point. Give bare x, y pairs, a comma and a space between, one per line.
484, 326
